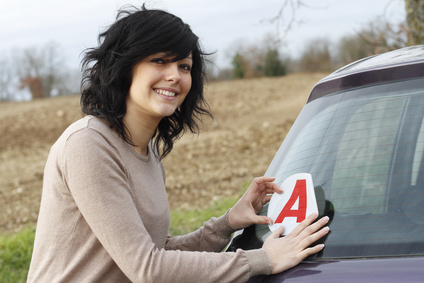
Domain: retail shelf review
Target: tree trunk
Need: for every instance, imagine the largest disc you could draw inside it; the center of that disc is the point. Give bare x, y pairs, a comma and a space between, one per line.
415, 21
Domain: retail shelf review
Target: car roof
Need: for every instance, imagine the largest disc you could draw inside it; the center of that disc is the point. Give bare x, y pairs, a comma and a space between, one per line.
404, 63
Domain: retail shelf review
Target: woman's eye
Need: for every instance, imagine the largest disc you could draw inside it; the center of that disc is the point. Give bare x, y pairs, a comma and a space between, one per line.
185, 67
158, 60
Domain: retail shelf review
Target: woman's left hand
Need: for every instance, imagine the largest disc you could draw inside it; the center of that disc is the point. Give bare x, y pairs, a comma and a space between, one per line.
244, 212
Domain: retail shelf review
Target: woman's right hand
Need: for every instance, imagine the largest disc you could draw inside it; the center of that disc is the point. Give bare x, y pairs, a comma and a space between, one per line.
288, 251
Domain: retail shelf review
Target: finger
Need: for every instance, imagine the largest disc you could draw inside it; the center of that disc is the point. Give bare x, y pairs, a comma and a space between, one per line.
302, 225
257, 184
314, 227
264, 182
265, 220
314, 237
266, 199
312, 250
267, 179
270, 189
273, 187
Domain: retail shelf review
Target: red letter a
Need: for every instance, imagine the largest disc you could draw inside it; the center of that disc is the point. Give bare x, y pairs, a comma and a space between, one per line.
299, 192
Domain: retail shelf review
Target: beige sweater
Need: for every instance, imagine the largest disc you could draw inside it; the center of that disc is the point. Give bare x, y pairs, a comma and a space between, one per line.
104, 217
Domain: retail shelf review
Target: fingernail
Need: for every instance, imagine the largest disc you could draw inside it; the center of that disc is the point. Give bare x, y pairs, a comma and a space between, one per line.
269, 222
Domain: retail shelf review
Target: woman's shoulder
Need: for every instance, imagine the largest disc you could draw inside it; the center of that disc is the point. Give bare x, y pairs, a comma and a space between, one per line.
87, 131
87, 126
87, 122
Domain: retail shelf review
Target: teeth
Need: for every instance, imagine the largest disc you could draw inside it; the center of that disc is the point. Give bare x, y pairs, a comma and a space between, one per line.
165, 92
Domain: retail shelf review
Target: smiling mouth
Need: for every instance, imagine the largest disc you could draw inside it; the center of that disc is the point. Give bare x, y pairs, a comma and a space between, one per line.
165, 92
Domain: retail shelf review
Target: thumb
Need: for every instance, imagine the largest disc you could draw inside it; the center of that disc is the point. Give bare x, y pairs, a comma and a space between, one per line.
277, 233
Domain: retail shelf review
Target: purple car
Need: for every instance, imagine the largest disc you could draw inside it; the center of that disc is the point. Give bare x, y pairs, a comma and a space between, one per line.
361, 138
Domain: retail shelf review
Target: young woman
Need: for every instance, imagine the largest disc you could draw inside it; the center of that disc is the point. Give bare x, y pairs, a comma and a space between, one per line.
104, 213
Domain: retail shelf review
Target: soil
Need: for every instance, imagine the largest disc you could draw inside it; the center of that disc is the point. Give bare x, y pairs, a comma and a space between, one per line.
251, 119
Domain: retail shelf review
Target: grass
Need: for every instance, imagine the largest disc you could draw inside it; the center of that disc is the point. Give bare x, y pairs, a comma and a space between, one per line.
188, 220
16, 249
15, 255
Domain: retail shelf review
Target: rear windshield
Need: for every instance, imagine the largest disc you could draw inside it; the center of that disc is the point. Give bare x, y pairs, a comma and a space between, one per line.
365, 151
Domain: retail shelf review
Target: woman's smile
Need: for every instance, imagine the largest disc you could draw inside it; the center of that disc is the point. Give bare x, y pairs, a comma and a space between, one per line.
169, 93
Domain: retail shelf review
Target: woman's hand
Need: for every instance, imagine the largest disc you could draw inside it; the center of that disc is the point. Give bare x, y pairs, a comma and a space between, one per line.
244, 212
288, 251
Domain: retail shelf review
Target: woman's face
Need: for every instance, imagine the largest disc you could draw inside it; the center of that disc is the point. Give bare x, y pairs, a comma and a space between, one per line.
159, 86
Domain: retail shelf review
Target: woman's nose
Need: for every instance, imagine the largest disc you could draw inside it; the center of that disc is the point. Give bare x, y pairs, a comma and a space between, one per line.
173, 73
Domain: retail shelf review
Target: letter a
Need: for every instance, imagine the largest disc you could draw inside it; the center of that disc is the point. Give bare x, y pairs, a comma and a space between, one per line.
299, 192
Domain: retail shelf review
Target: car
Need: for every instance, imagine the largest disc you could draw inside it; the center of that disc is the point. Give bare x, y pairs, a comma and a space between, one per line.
360, 136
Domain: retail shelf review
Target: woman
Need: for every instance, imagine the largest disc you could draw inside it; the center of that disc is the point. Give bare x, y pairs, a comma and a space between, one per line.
104, 213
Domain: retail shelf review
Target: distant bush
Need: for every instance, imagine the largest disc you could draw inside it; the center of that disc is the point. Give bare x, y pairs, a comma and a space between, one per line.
239, 66
273, 66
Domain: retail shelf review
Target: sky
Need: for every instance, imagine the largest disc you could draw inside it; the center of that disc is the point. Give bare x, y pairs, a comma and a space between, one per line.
220, 24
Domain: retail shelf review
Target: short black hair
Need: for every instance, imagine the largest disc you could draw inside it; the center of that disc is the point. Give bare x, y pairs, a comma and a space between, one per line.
108, 68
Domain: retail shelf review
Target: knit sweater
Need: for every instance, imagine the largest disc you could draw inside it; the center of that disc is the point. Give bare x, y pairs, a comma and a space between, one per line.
104, 217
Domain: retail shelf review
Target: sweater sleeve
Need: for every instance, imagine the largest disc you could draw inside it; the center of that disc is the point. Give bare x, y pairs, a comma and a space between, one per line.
97, 180
212, 237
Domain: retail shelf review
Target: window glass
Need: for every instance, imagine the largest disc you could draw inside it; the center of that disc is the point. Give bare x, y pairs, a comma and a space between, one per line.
364, 153
418, 156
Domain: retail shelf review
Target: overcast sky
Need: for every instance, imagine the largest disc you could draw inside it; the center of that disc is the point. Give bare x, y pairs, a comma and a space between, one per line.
220, 24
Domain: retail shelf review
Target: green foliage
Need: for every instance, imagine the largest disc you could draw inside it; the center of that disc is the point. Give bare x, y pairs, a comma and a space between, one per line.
254, 62
15, 255
273, 65
239, 66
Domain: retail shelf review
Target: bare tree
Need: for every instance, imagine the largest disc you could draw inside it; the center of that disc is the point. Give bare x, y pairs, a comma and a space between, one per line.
316, 56
41, 70
351, 48
415, 21
285, 18
246, 59
384, 36
6, 79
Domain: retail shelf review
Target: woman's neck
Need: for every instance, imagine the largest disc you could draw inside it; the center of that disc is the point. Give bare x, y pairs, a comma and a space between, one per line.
140, 132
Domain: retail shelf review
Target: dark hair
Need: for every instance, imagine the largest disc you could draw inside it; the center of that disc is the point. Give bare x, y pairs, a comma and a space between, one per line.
107, 71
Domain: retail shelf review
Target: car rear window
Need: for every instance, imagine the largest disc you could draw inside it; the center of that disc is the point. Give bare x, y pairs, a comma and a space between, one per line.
365, 150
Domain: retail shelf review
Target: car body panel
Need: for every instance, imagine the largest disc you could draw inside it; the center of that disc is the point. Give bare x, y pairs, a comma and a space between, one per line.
396, 65
407, 269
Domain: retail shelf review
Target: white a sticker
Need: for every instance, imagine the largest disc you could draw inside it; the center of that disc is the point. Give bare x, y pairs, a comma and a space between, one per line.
295, 203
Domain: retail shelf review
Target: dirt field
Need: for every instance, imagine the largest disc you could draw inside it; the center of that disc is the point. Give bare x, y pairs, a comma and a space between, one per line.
252, 118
